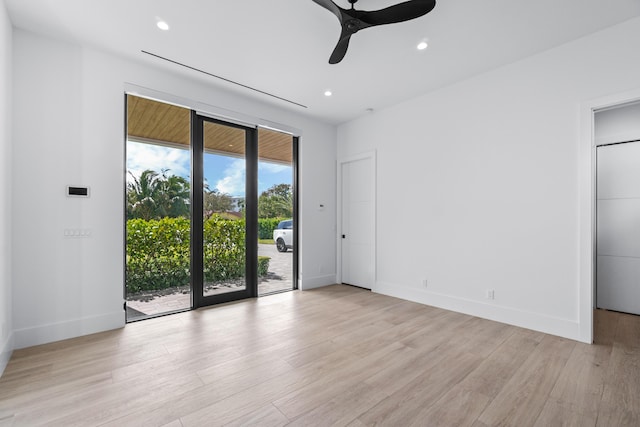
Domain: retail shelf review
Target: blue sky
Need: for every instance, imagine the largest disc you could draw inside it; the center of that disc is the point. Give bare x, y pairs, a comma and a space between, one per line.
226, 174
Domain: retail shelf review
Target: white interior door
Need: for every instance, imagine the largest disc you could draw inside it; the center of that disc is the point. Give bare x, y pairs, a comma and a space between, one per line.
358, 222
618, 227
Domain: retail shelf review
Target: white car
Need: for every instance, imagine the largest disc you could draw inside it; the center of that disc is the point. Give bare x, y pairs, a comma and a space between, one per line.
283, 235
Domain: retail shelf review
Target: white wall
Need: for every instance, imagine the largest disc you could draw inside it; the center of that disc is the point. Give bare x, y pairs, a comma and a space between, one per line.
69, 124
6, 341
478, 184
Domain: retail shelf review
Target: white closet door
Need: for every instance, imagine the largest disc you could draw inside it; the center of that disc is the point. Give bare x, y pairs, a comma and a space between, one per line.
358, 223
618, 227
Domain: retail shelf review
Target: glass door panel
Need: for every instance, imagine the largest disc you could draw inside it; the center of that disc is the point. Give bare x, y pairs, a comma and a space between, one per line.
276, 248
224, 224
158, 213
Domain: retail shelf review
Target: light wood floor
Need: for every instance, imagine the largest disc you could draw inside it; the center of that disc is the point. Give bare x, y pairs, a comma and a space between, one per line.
332, 356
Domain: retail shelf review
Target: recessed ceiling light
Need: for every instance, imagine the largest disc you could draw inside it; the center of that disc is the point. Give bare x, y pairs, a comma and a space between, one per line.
163, 25
422, 45
328, 93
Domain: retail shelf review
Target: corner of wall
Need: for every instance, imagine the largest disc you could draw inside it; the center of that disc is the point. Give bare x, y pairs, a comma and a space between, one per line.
6, 350
316, 282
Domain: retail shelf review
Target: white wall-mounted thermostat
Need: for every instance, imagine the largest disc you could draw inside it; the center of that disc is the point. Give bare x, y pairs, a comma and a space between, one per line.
77, 191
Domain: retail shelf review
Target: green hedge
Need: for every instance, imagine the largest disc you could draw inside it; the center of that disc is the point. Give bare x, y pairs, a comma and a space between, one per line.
266, 227
263, 265
224, 249
158, 252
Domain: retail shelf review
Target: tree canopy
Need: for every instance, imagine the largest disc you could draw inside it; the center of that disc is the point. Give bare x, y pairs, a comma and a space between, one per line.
154, 195
276, 201
216, 202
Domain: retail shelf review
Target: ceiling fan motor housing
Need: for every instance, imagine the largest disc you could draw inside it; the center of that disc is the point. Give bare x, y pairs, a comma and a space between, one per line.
352, 20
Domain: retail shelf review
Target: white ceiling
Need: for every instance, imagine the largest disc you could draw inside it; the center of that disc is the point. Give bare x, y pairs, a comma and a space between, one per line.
282, 46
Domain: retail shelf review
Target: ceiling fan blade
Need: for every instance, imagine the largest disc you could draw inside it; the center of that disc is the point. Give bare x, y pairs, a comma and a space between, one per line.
397, 13
331, 7
341, 48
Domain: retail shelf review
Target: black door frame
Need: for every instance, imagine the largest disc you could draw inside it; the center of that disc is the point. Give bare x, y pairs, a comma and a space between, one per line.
197, 221
296, 165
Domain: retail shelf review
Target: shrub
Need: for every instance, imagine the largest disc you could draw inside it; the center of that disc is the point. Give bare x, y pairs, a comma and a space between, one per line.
266, 227
158, 252
263, 265
224, 249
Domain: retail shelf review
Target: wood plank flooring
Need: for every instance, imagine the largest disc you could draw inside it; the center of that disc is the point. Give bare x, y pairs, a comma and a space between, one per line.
332, 356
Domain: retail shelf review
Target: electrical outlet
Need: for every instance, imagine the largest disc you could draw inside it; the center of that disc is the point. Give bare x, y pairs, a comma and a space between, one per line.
490, 294
424, 282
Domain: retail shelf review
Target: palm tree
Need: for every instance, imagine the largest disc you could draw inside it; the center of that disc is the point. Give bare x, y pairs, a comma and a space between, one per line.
176, 196
142, 195
155, 196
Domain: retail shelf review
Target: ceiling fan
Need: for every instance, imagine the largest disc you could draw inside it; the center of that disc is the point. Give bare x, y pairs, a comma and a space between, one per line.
353, 20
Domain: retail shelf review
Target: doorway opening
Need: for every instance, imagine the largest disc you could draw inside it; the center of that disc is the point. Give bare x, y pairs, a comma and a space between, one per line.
615, 203
192, 207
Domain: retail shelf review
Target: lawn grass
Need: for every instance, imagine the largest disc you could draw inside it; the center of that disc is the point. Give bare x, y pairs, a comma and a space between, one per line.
266, 241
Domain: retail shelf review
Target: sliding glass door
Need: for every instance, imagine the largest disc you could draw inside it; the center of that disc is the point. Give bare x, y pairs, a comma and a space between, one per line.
194, 216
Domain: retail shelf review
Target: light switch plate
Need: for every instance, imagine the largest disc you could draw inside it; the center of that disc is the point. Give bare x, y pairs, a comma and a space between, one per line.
77, 233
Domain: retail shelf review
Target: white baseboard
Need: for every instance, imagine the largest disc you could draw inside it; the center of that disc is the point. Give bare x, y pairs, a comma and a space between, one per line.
43, 334
316, 282
5, 352
538, 322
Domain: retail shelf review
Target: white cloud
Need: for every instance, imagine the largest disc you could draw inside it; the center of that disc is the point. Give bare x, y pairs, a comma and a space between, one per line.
141, 157
234, 178
273, 167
